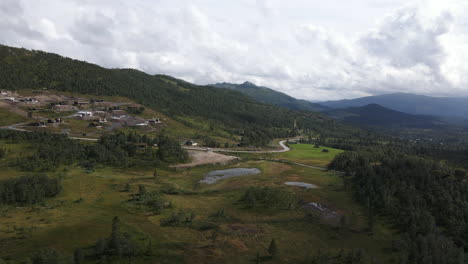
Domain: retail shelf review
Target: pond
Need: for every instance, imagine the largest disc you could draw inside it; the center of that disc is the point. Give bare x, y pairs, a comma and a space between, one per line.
302, 184
214, 176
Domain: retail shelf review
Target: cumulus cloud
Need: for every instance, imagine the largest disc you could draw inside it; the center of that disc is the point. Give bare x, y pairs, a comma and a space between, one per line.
309, 49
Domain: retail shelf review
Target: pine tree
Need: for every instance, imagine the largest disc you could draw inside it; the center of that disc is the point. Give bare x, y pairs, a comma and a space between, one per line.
273, 249
115, 238
78, 256
257, 258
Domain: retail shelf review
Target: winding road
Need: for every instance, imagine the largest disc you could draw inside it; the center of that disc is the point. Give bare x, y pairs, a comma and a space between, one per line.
281, 143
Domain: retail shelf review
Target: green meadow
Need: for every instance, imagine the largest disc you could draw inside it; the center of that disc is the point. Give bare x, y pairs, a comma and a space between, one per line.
82, 213
308, 154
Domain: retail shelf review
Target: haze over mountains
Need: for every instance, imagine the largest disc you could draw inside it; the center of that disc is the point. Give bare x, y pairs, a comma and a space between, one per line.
377, 115
410, 103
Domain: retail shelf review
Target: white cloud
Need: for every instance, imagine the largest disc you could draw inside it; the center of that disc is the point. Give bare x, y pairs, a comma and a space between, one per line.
309, 49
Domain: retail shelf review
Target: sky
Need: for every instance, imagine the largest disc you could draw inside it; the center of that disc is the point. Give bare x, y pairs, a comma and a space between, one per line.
309, 49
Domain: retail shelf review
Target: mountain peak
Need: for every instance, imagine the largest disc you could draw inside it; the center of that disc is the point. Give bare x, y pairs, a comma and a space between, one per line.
247, 83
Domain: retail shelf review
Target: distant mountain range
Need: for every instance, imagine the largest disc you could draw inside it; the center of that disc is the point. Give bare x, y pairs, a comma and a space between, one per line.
411, 104
270, 96
379, 116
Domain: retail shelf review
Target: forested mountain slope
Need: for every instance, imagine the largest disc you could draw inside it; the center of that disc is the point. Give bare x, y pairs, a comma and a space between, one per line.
270, 96
24, 69
376, 115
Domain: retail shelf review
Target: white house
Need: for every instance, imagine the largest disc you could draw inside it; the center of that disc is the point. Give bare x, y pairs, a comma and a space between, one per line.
84, 113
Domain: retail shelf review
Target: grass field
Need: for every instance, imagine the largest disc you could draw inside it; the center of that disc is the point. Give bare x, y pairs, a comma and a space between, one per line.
9, 118
308, 154
64, 223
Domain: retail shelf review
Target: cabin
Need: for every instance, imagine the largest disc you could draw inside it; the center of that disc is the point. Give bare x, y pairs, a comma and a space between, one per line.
141, 124
37, 124
141, 145
190, 143
154, 121
29, 100
80, 103
84, 113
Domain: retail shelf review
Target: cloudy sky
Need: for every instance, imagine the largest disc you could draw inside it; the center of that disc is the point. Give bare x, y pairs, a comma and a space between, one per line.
309, 49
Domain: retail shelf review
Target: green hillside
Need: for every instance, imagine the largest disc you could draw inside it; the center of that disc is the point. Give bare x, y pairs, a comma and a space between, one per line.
24, 69
270, 96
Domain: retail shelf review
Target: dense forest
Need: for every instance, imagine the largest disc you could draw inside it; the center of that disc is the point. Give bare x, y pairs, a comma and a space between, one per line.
426, 200
50, 151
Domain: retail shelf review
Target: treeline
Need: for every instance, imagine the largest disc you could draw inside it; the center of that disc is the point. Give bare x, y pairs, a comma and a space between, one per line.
28, 189
120, 150
427, 200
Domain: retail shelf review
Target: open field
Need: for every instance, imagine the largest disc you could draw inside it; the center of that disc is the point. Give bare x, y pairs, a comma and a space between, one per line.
308, 154
7, 117
66, 222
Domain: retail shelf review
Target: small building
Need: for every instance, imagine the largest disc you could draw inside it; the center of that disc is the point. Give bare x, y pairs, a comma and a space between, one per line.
154, 121
37, 124
10, 99
84, 113
29, 100
190, 143
141, 124
141, 145
80, 103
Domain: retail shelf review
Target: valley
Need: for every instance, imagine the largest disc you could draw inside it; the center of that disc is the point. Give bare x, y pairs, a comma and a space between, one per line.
105, 165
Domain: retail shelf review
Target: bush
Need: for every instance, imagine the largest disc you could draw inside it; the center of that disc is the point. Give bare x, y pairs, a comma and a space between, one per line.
182, 218
153, 201
269, 197
28, 189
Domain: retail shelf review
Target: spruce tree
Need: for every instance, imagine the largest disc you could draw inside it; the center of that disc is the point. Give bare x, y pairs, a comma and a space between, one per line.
78, 256
273, 248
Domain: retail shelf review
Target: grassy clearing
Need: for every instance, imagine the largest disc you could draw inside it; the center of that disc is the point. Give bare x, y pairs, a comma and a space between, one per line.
308, 154
10, 118
65, 224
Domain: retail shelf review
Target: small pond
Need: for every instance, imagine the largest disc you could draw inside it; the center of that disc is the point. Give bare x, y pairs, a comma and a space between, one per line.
214, 176
302, 184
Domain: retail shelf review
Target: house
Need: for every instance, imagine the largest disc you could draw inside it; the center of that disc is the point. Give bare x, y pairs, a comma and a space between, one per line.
141, 124
80, 103
10, 99
38, 124
29, 100
190, 143
84, 113
141, 145
154, 121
